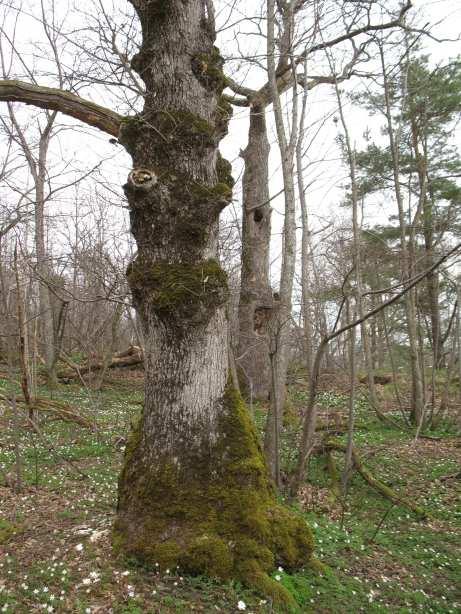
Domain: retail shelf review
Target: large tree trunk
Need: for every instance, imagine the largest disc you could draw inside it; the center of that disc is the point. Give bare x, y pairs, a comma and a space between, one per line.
255, 306
194, 490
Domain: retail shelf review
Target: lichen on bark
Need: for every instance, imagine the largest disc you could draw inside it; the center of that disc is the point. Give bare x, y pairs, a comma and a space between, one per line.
216, 515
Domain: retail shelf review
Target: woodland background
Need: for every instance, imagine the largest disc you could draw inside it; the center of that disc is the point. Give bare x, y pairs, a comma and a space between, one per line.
342, 249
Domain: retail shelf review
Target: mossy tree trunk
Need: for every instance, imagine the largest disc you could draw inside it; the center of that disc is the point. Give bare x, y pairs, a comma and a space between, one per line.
194, 489
256, 302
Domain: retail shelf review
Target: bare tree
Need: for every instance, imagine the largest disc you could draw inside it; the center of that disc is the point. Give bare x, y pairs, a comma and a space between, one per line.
193, 478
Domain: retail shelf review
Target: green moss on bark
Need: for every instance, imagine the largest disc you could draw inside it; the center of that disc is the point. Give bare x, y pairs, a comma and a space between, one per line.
215, 193
208, 68
129, 131
192, 290
171, 130
224, 171
210, 554
183, 126
216, 516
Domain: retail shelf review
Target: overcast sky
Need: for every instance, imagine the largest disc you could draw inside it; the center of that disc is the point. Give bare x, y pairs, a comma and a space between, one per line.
80, 150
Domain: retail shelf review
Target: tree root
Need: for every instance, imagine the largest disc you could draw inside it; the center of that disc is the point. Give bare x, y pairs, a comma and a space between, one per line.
382, 488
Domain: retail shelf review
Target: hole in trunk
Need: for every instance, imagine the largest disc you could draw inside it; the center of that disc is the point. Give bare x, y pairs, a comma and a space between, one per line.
261, 319
258, 215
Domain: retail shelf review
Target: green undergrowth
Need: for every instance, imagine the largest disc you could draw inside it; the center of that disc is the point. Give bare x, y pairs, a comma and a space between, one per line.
377, 557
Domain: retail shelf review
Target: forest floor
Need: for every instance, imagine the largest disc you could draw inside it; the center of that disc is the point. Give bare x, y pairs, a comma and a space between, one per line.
55, 550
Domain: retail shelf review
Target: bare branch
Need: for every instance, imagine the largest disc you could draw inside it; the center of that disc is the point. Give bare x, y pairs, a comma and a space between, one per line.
67, 103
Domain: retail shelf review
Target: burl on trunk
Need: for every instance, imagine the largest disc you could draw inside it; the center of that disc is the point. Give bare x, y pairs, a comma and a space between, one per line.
194, 490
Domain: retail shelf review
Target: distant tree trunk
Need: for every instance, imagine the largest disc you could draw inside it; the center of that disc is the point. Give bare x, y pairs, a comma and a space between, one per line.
357, 260
378, 325
458, 322
38, 171
255, 306
281, 325
419, 147
193, 490
410, 302
351, 415
432, 284
305, 241
23, 337
111, 345
48, 340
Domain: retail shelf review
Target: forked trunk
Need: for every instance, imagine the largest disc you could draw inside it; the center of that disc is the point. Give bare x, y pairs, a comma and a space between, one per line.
194, 490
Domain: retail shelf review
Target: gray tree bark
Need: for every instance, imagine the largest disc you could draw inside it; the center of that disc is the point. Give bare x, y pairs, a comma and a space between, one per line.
287, 145
194, 489
306, 250
256, 302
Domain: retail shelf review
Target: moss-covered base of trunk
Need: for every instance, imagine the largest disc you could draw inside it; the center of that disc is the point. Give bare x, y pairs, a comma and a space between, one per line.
216, 514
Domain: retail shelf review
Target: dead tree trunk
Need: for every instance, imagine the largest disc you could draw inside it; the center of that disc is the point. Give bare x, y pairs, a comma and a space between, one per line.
255, 306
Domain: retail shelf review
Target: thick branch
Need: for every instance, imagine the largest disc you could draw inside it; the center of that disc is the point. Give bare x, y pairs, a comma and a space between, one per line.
64, 102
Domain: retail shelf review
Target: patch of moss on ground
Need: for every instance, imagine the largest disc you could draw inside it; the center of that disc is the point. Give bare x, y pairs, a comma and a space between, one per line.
7, 530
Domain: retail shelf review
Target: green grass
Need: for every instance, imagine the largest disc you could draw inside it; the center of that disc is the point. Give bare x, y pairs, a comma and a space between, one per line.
378, 557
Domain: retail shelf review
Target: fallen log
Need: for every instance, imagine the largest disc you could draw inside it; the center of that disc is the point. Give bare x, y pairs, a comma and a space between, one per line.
451, 476
128, 358
382, 488
338, 427
132, 350
380, 380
